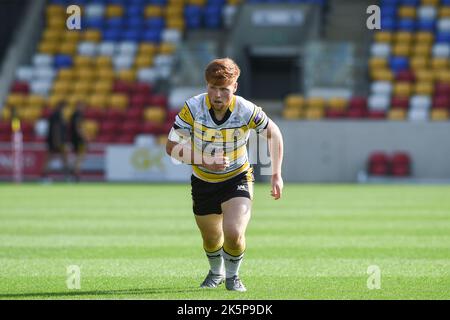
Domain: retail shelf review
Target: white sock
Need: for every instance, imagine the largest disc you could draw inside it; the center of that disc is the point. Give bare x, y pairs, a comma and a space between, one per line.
215, 260
232, 264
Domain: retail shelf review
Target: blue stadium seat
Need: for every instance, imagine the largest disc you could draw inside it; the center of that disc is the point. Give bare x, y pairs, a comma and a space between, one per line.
135, 23
134, 11
426, 25
131, 35
389, 11
410, 2
157, 2
155, 23
112, 35
151, 36
443, 37
398, 64
93, 23
115, 23
406, 25
63, 61
389, 24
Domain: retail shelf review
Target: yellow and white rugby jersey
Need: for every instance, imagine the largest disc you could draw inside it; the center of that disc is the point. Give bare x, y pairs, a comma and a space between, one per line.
229, 135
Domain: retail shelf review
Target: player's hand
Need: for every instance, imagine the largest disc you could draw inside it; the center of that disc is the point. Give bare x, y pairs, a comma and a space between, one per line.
218, 162
277, 186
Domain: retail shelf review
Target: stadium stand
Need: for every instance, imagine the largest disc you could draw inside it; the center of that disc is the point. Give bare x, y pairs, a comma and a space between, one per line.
408, 67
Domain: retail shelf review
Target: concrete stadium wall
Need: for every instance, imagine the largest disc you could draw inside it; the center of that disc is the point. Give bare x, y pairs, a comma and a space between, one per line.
335, 151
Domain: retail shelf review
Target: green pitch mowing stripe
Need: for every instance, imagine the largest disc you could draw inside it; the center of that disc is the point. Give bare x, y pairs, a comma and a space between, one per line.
141, 242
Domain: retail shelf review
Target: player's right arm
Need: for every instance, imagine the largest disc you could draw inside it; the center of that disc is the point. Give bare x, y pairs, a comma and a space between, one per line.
179, 145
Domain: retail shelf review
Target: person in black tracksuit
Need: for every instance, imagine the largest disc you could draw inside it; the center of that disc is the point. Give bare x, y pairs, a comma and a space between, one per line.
78, 139
56, 140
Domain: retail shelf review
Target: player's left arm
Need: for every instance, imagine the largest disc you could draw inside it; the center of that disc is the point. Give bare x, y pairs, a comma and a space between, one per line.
276, 147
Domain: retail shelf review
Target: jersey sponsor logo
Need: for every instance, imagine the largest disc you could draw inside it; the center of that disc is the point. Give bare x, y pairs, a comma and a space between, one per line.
242, 187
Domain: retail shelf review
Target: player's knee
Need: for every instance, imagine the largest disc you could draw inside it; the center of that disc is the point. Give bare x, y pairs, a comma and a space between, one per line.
212, 243
235, 239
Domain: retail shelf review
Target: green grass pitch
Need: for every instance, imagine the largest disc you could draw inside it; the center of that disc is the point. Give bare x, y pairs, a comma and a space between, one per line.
141, 242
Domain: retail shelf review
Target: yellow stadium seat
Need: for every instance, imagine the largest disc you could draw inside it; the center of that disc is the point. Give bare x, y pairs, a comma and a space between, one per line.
424, 88
62, 87
85, 74
396, 114
118, 101
143, 61
55, 10
30, 114
82, 87
337, 103
444, 12
155, 114
430, 2
147, 49
48, 47
92, 35
377, 63
98, 101
17, 100
383, 36
419, 63
294, 101
113, 11
382, 75
82, 62
443, 76
315, 103
292, 113
103, 62
404, 37
52, 35
402, 89
439, 115
151, 11
407, 12
6, 114
422, 50
166, 48
424, 75
35, 101
56, 22
402, 49
69, 48
314, 114
173, 11
105, 74
176, 2
127, 75
200, 3
234, 2
439, 63
424, 37
66, 74
175, 23
103, 87
71, 36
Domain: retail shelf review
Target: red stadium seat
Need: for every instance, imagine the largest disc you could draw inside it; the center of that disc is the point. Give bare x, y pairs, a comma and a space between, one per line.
141, 88
151, 128
115, 115
400, 164
5, 128
356, 113
20, 87
335, 114
441, 102
400, 102
405, 75
378, 164
138, 100
157, 100
121, 87
109, 128
442, 89
377, 115
105, 138
126, 139
130, 128
358, 103
134, 114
